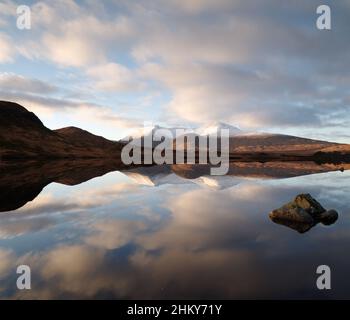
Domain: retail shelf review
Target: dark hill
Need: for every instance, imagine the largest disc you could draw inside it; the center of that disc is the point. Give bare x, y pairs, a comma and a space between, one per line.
14, 115
23, 136
82, 137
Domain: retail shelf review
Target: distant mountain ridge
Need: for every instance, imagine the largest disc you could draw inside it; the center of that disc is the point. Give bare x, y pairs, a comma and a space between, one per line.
241, 142
156, 130
24, 136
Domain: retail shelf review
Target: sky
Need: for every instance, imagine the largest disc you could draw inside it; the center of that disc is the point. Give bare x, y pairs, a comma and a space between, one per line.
108, 66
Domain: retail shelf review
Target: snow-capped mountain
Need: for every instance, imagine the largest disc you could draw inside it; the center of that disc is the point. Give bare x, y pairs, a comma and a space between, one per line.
241, 142
157, 132
137, 136
216, 127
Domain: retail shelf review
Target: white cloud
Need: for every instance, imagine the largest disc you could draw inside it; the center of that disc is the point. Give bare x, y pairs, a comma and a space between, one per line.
7, 8
112, 234
201, 6
7, 52
58, 264
70, 35
98, 119
114, 77
254, 64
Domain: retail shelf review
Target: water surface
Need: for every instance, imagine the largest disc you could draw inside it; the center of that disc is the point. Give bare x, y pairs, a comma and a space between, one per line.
149, 233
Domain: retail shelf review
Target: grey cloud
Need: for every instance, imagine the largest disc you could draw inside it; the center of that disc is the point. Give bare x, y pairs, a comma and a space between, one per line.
284, 62
12, 82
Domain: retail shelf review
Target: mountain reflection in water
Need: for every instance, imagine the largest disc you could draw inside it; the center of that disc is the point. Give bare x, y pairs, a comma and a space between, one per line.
168, 231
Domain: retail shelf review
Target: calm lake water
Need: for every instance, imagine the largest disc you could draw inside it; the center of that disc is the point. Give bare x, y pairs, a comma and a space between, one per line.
137, 235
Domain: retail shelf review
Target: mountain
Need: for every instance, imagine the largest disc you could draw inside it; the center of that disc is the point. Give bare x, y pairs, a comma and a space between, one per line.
272, 146
23, 135
173, 132
84, 138
155, 133
245, 145
275, 143
216, 127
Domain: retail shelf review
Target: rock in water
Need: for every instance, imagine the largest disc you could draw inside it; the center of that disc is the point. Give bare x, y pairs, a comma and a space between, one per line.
303, 213
308, 203
292, 213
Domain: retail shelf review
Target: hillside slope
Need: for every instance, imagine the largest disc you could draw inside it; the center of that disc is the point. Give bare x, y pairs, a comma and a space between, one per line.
269, 144
23, 135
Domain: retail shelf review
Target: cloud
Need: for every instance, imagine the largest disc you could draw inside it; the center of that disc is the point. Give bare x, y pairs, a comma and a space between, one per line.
7, 51
49, 204
220, 236
257, 67
58, 262
71, 35
252, 63
114, 77
113, 234
201, 6
7, 259
12, 229
201, 229
49, 102
14, 82
7, 10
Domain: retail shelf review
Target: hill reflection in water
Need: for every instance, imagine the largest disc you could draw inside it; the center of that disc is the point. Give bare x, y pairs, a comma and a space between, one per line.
21, 182
169, 231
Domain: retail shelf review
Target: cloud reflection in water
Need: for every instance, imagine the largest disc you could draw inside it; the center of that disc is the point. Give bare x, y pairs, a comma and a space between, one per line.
113, 238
